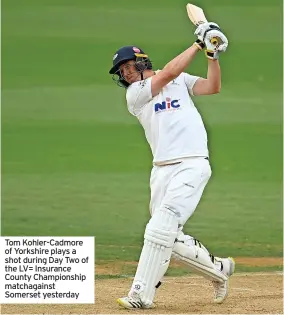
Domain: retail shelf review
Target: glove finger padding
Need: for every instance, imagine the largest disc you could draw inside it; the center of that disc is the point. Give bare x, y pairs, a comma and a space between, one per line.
211, 35
212, 49
222, 47
203, 28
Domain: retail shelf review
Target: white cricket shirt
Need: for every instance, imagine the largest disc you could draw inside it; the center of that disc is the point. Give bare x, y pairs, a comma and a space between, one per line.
173, 126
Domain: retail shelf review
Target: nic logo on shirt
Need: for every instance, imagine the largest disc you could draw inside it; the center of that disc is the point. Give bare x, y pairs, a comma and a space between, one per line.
166, 105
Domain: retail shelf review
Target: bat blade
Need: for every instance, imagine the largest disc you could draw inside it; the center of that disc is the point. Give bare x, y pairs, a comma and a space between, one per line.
195, 14
197, 17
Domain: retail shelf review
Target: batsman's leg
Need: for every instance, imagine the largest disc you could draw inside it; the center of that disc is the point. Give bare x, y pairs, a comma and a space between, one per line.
184, 194
189, 250
218, 270
159, 238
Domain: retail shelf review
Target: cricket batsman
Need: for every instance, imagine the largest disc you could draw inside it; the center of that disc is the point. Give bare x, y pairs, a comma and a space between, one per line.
161, 101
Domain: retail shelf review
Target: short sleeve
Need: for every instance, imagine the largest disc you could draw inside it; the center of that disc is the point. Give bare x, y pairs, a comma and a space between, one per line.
190, 80
138, 95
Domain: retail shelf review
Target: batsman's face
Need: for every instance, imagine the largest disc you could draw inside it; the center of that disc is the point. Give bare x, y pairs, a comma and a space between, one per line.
129, 72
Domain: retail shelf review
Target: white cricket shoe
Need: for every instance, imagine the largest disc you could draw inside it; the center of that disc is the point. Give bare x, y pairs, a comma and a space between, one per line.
222, 289
131, 303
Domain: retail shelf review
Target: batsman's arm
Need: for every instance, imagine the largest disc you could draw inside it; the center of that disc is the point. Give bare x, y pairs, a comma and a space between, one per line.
212, 84
173, 69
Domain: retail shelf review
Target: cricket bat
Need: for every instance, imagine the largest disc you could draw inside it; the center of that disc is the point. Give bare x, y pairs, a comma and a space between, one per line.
197, 17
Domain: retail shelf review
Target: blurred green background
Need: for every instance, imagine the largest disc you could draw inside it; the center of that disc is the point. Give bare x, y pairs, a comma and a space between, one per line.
75, 162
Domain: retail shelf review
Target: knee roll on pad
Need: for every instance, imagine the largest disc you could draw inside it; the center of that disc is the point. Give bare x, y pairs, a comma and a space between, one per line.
162, 228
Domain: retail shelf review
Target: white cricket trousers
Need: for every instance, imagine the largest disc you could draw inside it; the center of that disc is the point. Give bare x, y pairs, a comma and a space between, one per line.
179, 186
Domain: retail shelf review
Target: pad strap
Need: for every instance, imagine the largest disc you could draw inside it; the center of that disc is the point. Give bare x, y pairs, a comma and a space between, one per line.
190, 251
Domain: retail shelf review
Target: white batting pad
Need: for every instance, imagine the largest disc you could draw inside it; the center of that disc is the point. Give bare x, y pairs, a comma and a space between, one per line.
196, 256
159, 238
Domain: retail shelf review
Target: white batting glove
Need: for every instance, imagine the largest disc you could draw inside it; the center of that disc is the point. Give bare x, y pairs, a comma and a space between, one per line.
215, 42
203, 28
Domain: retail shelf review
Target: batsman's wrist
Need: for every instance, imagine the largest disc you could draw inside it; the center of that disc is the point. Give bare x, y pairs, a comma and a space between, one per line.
211, 54
199, 44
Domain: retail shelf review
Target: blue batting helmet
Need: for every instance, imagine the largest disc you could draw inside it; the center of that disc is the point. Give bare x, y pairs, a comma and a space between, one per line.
124, 54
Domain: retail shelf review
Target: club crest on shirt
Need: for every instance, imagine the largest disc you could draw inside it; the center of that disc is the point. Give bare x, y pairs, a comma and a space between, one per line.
167, 105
